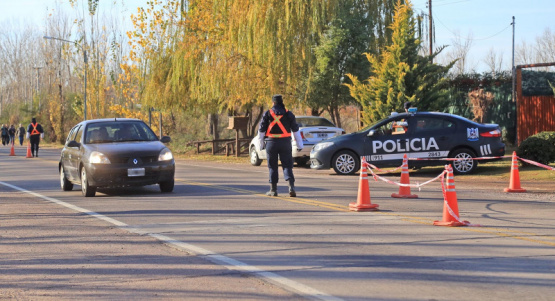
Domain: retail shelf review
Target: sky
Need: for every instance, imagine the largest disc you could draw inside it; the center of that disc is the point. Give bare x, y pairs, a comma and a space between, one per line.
487, 21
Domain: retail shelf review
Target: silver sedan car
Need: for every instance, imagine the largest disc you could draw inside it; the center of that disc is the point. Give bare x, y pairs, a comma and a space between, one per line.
313, 129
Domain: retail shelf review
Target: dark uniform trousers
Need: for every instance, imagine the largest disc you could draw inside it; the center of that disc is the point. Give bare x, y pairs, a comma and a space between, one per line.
283, 148
35, 140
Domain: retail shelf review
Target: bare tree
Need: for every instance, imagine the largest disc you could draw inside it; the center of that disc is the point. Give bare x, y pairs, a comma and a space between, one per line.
545, 47
459, 51
494, 60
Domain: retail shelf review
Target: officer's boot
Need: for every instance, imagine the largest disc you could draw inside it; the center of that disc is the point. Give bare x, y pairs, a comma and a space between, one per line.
292, 192
273, 190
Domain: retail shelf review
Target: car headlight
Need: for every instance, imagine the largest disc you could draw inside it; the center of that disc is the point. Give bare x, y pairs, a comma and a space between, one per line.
321, 146
98, 158
165, 155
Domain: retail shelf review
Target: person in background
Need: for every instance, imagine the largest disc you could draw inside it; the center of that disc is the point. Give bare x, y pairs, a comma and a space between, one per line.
21, 134
407, 105
11, 132
35, 133
5, 135
275, 131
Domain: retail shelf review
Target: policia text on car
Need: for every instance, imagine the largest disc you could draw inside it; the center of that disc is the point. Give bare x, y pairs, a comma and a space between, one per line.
276, 128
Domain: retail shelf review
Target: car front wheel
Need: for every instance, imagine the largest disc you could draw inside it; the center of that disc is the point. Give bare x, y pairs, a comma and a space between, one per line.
167, 186
254, 159
64, 182
465, 163
345, 163
86, 189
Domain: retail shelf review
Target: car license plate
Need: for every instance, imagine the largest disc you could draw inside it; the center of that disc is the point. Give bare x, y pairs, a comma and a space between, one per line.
135, 172
322, 135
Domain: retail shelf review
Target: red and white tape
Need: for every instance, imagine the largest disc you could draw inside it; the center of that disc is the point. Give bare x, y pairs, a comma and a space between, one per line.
417, 185
536, 163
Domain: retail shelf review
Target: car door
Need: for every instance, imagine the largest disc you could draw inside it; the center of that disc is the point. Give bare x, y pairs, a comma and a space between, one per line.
65, 155
74, 155
431, 137
387, 142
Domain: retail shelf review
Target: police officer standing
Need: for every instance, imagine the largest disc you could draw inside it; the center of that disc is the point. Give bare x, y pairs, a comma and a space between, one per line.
275, 131
34, 133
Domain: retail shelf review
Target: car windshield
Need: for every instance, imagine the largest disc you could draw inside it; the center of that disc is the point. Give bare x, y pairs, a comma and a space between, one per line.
118, 131
314, 121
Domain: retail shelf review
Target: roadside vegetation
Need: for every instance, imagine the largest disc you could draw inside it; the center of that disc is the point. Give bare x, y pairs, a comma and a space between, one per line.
192, 64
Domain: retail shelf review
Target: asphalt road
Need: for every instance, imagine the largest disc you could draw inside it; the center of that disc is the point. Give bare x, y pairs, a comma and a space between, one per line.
251, 246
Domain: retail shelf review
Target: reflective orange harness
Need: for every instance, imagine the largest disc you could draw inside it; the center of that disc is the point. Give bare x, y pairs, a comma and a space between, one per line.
278, 122
34, 131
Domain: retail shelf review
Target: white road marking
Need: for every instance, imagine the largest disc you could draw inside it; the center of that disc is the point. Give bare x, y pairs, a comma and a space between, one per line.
227, 262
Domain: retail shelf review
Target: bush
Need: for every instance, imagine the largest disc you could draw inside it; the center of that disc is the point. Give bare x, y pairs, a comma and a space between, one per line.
539, 148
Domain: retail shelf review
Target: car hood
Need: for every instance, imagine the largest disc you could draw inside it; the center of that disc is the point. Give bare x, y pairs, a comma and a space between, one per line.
137, 148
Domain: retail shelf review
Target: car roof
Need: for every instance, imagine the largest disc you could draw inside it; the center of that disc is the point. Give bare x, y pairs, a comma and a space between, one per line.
313, 117
437, 114
85, 122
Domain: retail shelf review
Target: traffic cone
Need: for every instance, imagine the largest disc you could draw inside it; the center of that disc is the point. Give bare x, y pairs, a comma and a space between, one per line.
514, 182
363, 200
404, 191
12, 151
450, 206
29, 155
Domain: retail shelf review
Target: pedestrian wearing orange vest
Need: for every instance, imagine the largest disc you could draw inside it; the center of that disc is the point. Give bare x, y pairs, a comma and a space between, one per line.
34, 134
275, 131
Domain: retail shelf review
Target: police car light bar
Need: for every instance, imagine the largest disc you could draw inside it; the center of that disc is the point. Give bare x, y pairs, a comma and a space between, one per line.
412, 110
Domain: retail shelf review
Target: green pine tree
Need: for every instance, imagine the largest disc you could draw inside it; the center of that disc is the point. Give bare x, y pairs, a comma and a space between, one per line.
400, 74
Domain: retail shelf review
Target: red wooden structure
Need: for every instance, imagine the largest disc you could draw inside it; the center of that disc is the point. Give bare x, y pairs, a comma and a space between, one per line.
536, 113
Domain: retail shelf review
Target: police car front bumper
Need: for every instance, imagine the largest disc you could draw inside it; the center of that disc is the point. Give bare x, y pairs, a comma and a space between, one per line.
321, 159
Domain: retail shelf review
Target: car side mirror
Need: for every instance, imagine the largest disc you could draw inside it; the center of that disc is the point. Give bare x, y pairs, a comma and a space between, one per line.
371, 133
73, 143
165, 139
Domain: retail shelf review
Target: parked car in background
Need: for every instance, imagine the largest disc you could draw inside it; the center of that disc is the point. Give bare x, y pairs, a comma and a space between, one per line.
313, 129
423, 135
115, 152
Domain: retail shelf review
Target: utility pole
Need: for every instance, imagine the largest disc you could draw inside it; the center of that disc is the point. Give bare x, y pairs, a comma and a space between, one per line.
513, 63
430, 32
37, 90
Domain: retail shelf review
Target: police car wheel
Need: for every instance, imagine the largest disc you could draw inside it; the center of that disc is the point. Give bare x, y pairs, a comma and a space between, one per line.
64, 182
345, 163
466, 165
254, 159
86, 189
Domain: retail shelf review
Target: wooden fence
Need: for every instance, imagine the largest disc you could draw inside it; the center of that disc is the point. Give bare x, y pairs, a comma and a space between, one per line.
535, 114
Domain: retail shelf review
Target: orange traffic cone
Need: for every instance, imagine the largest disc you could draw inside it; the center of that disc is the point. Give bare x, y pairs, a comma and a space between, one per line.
29, 155
404, 191
514, 182
363, 200
12, 151
450, 206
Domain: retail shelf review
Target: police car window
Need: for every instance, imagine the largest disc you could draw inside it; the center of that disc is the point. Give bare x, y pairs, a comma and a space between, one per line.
424, 124
394, 127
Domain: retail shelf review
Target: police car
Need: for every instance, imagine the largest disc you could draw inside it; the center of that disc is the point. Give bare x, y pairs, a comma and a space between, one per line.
313, 129
425, 135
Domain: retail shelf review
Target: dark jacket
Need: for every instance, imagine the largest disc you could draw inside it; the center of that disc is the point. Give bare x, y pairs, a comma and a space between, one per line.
39, 128
11, 131
288, 120
21, 131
